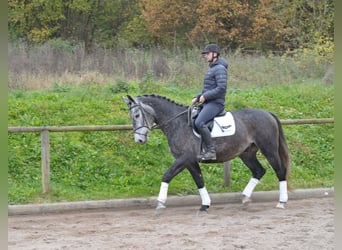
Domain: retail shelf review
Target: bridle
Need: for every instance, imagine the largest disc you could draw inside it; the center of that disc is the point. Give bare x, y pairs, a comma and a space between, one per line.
147, 125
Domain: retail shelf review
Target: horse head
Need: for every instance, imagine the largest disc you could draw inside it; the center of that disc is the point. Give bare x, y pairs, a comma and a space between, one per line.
142, 116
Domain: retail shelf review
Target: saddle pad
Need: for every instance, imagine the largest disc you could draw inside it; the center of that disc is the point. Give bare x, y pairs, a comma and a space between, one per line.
223, 125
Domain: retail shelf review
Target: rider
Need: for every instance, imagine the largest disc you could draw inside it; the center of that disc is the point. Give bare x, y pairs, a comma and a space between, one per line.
212, 97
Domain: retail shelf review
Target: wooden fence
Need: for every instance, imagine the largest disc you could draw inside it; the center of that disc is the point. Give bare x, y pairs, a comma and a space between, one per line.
45, 141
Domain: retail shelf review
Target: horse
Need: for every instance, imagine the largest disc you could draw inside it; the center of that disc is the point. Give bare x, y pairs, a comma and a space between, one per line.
256, 129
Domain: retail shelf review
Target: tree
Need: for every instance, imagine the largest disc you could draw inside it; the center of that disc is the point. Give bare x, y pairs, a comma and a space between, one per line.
234, 23
35, 20
135, 33
251, 24
86, 21
170, 21
270, 28
224, 22
315, 19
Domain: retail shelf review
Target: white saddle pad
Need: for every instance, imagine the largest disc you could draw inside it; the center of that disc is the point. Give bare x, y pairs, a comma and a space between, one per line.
223, 125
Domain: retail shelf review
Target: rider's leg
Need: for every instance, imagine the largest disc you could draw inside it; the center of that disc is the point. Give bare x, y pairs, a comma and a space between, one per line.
208, 112
210, 153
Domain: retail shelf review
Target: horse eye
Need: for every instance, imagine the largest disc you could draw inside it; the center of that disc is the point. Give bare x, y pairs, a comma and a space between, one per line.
136, 116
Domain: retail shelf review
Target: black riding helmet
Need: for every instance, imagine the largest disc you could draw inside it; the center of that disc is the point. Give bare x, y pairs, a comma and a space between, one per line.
211, 48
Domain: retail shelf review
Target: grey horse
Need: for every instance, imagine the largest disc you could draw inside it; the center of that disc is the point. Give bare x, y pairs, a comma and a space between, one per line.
255, 130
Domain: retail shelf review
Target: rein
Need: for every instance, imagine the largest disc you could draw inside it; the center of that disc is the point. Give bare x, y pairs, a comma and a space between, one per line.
166, 122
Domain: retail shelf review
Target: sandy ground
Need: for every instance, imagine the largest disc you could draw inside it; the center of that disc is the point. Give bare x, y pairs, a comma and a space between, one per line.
304, 224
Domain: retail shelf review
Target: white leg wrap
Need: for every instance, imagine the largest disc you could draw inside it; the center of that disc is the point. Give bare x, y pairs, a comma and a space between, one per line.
250, 187
163, 192
204, 196
283, 197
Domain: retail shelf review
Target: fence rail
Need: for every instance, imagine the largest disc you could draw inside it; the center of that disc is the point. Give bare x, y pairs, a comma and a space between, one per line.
45, 141
69, 128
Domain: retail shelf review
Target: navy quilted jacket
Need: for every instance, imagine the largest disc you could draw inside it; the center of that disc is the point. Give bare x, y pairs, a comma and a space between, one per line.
215, 82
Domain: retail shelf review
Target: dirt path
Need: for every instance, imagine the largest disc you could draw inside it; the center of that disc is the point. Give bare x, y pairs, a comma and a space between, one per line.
304, 224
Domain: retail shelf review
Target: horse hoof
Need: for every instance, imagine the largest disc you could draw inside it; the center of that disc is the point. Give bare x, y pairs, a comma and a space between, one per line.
159, 209
160, 205
204, 208
246, 200
281, 205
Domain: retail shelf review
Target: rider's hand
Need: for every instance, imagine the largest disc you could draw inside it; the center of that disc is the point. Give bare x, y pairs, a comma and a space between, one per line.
202, 99
194, 100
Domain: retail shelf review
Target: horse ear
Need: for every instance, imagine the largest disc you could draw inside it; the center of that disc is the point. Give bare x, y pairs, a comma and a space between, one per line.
129, 100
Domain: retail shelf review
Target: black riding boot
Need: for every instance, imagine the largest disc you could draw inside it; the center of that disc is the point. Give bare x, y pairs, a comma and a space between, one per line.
210, 153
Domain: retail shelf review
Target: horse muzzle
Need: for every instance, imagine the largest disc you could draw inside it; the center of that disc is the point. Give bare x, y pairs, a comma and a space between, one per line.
140, 139
140, 135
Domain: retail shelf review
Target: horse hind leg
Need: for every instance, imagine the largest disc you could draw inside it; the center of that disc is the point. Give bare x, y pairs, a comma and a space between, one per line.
280, 170
250, 160
283, 196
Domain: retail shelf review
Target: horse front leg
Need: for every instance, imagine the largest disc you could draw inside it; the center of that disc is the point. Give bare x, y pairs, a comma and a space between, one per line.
162, 195
177, 167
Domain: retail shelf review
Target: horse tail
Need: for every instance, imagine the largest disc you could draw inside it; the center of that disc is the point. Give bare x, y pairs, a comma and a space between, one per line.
283, 150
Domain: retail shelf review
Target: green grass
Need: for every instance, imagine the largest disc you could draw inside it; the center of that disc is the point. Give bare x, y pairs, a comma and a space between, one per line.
103, 165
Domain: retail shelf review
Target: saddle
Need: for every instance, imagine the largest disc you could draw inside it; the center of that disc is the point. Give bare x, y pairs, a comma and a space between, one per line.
222, 124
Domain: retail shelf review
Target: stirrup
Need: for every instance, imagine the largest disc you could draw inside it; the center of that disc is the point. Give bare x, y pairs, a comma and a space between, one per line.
207, 156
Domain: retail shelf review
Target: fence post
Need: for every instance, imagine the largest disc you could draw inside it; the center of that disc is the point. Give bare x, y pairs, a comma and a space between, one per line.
45, 161
226, 168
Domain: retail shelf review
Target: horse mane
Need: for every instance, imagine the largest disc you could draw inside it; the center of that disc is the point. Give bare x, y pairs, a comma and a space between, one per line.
164, 98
